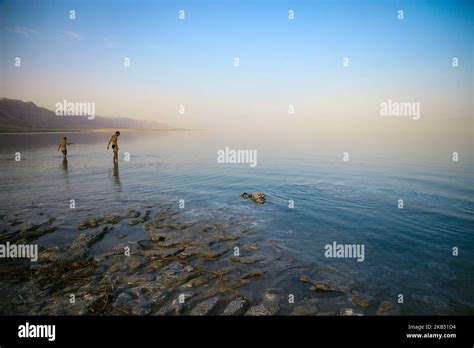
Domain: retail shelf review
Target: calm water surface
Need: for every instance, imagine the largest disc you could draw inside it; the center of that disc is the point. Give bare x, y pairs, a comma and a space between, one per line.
407, 251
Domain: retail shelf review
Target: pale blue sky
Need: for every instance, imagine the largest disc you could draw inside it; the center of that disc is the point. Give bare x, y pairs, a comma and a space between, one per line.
283, 62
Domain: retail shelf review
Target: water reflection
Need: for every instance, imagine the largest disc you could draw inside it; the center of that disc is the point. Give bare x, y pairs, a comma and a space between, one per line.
116, 176
64, 165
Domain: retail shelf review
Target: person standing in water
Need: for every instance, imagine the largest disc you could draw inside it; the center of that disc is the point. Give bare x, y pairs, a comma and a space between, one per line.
63, 146
115, 148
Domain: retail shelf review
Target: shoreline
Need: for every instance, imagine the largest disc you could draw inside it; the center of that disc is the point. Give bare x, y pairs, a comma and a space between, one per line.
186, 266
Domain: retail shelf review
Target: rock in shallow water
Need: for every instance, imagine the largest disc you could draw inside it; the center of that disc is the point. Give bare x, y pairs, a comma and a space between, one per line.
385, 307
362, 300
257, 197
305, 310
244, 260
204, 308
259, 310
349, 312
236, 307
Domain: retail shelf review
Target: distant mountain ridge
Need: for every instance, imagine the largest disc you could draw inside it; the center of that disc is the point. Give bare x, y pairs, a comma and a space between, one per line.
18, 115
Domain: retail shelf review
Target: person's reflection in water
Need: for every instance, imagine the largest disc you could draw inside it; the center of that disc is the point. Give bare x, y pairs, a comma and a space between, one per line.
64, 165
116, 176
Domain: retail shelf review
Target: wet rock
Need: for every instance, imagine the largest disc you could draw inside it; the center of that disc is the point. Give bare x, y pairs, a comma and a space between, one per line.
157, 296
250, 247
163, 253
257, 197
15, 222
135, 262
123, 300
322, 286
29, 232
133, 213
139, 278
156, 237
141, 306
385, 307
349, 312
109, 219
253, 274
305, 279
361, 299
173, 269
236, 307
258, 310
177, 227
80, 246
142, 219
244, 260
326, 314
204, 308
208, 253
305, 310
197, 282
177, 305
157, 264
188, 268
270, 300
51, 254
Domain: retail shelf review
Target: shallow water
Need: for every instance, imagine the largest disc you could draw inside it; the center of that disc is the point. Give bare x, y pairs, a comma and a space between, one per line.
407, 251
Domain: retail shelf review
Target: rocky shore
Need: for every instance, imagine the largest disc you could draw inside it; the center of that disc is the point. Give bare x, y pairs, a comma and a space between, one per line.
202, 267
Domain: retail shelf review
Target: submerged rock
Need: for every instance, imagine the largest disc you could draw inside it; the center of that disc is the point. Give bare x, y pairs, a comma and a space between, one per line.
244, 260
385, 307
252, 274
140, 220
362, 300
305, 310
257, 197
80, 245
322, 286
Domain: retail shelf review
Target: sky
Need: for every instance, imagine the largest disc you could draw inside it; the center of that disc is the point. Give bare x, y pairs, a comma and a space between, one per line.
283, 62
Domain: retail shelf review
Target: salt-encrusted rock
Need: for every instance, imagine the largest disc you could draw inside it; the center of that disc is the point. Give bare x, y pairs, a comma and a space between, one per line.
257, 197
259, 310
235, 307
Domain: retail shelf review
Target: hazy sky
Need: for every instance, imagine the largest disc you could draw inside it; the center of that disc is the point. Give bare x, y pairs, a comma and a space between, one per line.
282, 62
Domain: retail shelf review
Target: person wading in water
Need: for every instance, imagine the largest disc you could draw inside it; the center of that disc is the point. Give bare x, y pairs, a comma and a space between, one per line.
115, 148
